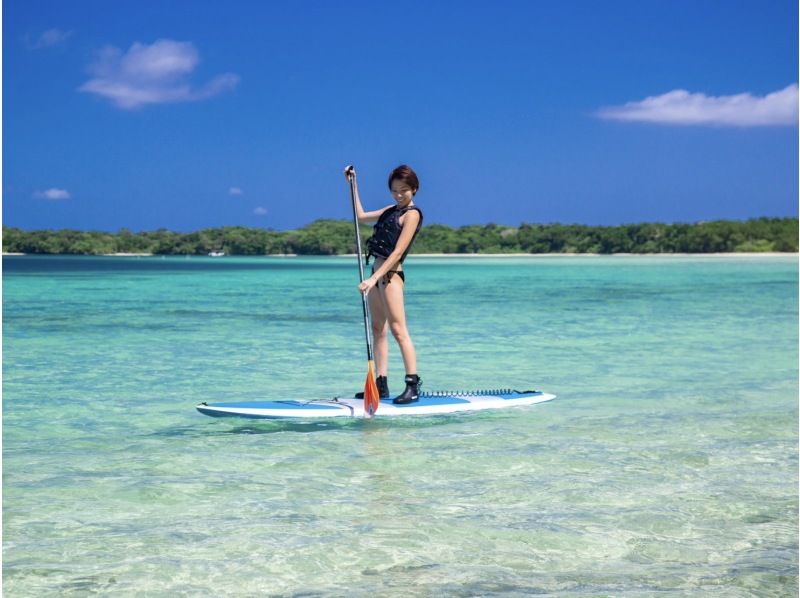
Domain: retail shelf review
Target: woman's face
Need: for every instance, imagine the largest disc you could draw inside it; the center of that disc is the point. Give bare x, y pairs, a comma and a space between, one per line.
401, 192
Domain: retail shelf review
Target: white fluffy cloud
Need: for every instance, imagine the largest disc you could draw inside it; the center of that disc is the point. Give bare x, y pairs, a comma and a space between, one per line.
680, 107
53, 194
152, 74
51, 37
235, 191
260, 211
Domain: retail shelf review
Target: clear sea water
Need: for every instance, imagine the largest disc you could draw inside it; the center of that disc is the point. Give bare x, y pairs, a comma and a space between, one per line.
668, 464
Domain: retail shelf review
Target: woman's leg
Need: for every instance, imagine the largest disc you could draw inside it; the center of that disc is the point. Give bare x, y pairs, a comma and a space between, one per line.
377, 310
396, 315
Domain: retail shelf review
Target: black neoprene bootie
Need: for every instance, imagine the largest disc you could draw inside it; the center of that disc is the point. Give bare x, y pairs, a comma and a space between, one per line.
382, 382
411, 393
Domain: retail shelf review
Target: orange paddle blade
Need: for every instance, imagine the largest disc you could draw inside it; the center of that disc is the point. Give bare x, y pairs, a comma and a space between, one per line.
371, 397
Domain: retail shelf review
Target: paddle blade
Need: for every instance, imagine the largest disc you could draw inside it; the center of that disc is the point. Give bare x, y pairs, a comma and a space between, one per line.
371, 397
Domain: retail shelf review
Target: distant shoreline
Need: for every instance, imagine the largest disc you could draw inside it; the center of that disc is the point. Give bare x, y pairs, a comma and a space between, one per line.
335, 237
443, 255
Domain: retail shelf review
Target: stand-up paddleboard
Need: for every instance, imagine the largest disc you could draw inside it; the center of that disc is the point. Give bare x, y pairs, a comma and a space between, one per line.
430, 403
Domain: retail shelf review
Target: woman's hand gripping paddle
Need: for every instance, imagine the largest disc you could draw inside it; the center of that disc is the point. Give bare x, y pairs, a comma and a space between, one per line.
371, 395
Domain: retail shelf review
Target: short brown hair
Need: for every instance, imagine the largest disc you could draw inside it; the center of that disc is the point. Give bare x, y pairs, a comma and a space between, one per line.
405, 174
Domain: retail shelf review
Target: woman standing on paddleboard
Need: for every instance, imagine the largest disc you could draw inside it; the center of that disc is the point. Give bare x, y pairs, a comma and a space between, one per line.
396, 227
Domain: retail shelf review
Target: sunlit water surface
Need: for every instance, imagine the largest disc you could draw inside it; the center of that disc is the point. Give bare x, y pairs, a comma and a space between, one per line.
667, 464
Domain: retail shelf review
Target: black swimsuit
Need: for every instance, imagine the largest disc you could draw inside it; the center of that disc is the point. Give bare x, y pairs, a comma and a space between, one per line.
388, 277
385, 236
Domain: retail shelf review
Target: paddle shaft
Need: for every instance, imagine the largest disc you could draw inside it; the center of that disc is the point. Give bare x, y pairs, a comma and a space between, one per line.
364, 302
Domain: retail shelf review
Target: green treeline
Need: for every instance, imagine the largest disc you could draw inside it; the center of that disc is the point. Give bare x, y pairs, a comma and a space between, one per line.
333, 237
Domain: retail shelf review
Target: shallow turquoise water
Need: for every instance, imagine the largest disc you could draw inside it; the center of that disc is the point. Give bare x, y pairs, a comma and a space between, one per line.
668, 464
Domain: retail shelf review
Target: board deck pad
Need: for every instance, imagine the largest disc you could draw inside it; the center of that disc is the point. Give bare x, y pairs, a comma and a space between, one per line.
430, 403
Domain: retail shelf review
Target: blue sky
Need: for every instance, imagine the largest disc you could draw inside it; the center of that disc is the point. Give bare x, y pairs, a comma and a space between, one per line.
194, 114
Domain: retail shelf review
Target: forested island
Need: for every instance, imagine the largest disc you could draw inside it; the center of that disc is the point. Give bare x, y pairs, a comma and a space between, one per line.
334, 237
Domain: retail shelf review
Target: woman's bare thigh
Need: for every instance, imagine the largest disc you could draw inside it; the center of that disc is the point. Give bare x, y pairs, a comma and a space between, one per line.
394, 302
377, 307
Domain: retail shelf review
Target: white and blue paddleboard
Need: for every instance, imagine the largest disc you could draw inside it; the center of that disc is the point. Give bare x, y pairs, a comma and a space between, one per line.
430, 403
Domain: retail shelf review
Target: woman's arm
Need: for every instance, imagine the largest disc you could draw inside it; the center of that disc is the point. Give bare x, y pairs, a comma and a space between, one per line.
410, 223
361, 215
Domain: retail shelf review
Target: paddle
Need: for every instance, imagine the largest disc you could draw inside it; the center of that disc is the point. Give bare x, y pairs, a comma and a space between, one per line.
371, 396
